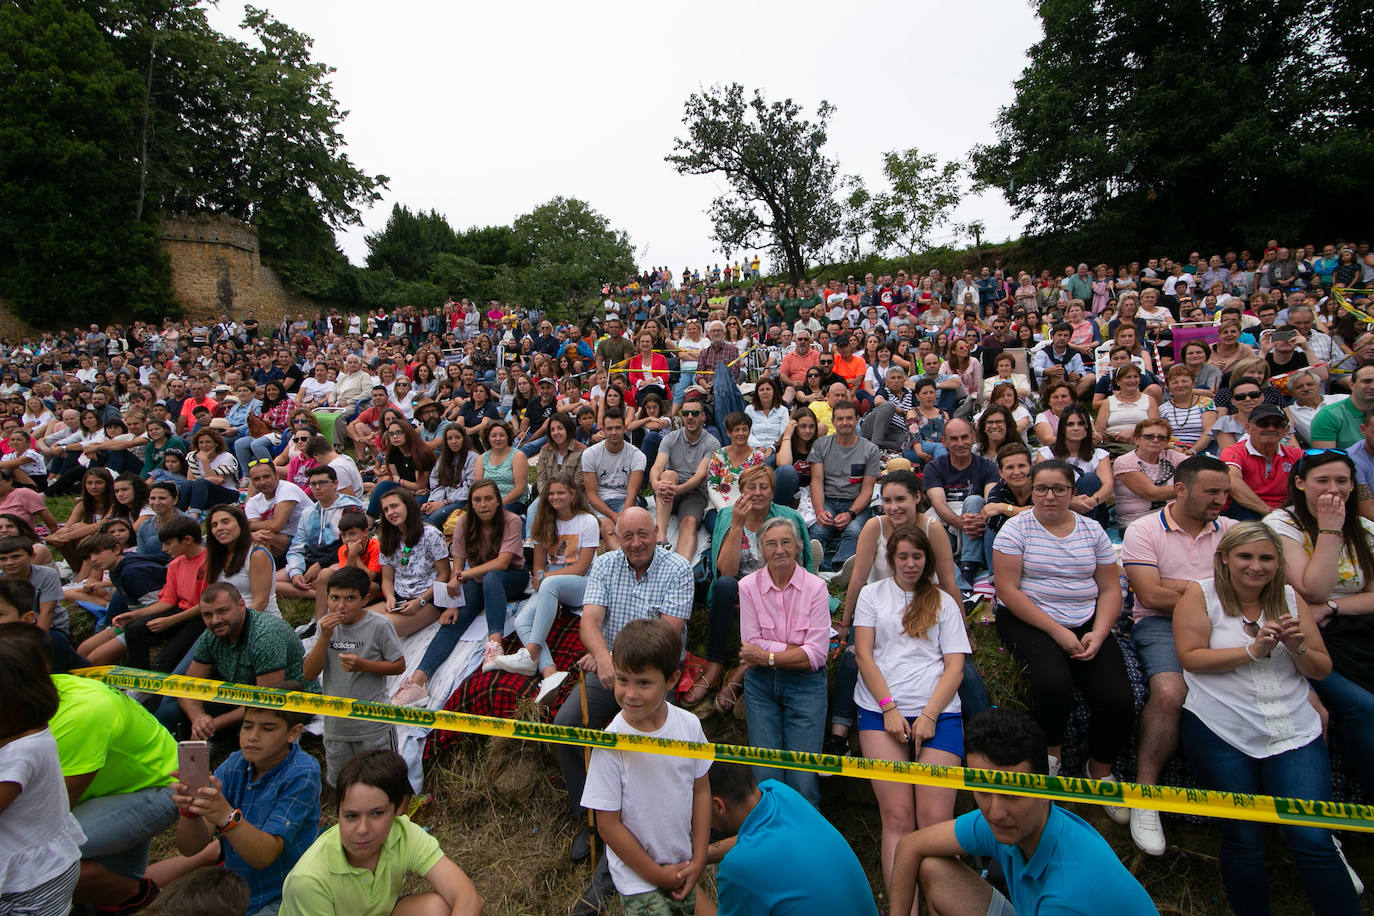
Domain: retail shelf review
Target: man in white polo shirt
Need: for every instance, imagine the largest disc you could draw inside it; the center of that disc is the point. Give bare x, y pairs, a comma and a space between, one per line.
1163, 553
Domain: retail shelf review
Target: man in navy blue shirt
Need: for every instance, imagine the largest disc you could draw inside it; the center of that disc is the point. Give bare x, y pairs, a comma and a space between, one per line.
781, 857
1053, 860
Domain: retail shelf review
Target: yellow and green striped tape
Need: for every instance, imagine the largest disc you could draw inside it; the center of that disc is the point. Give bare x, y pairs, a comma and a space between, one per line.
1263, 808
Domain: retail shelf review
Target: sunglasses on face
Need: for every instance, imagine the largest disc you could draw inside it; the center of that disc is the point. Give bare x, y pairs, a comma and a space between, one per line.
1247, 396
1154, 437
691, 413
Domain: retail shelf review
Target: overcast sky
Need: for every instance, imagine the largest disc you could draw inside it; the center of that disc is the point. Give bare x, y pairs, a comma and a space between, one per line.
484, 111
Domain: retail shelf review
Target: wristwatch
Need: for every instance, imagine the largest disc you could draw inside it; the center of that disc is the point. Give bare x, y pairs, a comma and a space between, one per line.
1335, 608
235, 818
772, 660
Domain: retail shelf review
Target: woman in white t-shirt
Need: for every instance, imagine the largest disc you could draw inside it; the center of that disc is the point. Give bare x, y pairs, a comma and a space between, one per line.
909, 642
1250, 647
316, 389
1073, 445
688, 347
1058, 597
566, 535
40, 841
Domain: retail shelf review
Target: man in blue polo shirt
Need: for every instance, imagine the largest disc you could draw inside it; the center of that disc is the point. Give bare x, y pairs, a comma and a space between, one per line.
771, 823
261, 809
1053, 860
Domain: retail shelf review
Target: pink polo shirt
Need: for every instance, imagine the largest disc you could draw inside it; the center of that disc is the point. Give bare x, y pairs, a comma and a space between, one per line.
1156, 540
798, 614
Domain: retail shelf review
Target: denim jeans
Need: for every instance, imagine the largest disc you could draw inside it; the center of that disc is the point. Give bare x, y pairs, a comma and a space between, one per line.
724, 617
246, 448
488, 596
977, 550
532, 447
787, 712
119, 828
649, 446
1301, 773
535, 619
1352, 722
374, 503
785, 481
438, 517
201, 495
848, 536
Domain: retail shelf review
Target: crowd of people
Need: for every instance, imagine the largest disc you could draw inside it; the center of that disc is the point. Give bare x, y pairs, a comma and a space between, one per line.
1158, 478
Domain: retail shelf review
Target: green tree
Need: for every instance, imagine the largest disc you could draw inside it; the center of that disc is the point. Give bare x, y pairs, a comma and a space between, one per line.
923, 194
410, 242
71, 246
781, 187
250, 129
569, 251
1137, 124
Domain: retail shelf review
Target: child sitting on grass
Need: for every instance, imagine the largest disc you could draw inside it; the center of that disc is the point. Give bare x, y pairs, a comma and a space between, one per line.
647, 801
359, 865
40, 841
356, 651
17, 602
260, 812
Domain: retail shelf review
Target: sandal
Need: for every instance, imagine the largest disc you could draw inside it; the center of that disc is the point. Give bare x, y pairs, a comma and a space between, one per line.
729, 695
697, 692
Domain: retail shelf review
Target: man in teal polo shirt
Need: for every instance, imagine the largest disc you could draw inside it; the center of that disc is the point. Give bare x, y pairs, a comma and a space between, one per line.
770, 823
1053, 860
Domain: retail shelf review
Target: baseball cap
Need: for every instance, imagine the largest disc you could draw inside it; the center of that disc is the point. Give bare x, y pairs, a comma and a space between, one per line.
546, 380
1267, 412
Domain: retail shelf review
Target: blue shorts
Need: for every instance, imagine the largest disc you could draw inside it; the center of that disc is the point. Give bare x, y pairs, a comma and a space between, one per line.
949, 730
1154, 640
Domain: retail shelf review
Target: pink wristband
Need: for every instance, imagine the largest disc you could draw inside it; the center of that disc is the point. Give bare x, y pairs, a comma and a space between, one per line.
883, 702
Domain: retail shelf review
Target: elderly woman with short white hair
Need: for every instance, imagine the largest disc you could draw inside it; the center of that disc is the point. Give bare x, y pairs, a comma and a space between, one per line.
784, 639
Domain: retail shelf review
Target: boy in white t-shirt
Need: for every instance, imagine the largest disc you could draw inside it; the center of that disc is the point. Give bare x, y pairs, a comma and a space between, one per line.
653, 812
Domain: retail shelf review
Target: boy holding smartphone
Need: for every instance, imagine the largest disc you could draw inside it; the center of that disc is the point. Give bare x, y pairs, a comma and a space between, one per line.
261, 810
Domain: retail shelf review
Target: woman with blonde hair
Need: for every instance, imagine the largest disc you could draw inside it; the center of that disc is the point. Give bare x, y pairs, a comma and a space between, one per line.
1248, 644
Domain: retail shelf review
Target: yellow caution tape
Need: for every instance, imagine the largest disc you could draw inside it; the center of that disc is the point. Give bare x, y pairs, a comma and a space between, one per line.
1263, 808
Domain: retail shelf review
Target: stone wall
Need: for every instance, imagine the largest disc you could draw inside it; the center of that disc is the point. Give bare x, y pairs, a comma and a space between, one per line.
216, 270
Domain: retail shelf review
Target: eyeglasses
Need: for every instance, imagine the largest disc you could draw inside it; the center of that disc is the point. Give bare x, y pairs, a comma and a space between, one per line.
1250, 396
1251, 627
300, 440
257, 461
1154, 437
690, 413
300, 422
1314, 452
1045, 490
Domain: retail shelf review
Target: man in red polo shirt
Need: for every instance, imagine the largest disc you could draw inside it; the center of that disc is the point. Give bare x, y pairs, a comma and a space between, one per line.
199, 397
1260, 465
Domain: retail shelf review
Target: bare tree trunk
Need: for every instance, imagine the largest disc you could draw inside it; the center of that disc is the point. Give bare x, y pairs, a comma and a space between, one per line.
143, 139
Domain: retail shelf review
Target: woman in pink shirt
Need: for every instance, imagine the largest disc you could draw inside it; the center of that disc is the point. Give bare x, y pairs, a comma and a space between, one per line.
784, 619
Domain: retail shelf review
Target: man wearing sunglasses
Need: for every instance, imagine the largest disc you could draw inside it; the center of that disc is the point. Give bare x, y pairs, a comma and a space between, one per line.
1260, 465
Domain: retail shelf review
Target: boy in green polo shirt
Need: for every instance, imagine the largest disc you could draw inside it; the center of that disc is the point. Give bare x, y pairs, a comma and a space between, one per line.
365, 858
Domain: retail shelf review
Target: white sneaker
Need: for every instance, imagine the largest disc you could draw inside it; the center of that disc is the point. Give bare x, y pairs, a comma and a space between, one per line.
1147, 832
1354, 878
410, 694
517, 662
548, 687
490, 653
1118, 814
817, 551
